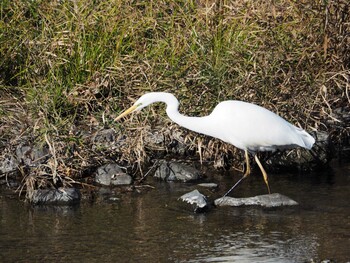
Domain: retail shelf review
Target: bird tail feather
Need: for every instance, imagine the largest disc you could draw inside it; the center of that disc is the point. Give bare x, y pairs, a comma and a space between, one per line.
307, 140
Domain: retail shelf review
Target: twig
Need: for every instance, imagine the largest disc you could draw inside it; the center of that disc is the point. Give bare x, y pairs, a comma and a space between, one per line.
144, 176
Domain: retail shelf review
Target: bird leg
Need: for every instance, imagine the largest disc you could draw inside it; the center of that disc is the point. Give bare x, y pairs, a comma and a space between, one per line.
247, 170
263, 172
246, 173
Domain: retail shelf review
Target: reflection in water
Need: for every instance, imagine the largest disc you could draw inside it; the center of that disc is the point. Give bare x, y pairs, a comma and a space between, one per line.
154, 226
252, 247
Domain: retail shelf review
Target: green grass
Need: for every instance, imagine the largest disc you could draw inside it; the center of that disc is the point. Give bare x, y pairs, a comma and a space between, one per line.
71, 63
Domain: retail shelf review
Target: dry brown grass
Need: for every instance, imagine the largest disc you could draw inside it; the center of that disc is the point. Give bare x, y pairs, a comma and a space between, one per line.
69, 67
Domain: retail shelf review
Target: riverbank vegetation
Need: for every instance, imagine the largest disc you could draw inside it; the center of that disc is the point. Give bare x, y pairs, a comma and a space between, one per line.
68, 67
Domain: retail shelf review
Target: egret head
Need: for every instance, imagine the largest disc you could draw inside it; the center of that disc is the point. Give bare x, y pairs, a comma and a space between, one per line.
142, 102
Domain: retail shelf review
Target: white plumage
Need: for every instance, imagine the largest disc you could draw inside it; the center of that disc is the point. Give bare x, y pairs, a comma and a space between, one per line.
247, 126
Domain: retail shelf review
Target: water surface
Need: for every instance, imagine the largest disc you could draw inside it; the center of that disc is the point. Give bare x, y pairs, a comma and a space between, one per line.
153, 226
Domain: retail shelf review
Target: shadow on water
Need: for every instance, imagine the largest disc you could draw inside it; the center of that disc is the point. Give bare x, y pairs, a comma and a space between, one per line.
154, 227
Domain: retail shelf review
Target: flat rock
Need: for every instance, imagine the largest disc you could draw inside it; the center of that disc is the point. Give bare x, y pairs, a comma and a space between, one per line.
173, 171
269, 200
60, 196
112, 174
198, 200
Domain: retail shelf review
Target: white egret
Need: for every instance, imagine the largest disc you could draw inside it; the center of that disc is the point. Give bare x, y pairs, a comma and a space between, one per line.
247, 126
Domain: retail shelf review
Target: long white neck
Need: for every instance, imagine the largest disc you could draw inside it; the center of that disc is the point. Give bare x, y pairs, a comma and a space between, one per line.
196, 124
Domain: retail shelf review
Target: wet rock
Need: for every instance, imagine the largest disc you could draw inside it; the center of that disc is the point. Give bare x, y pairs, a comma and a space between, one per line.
25, 154
172, 171
112, 174
60, 196
270, 200
323, 149
104, 137
32, 155
177, 145
121, 179
8, 164
197, 200
154, 138
154, 141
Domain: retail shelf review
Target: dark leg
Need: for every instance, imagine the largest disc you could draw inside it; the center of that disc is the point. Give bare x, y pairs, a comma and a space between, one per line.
247, 172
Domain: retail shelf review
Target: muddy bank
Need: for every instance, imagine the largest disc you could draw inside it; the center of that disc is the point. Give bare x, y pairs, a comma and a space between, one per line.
98, 159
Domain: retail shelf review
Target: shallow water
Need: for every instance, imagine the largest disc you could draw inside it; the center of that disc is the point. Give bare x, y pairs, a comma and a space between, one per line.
154, 226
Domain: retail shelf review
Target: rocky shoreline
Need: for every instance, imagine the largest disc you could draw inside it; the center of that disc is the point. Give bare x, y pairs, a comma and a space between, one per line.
34, 171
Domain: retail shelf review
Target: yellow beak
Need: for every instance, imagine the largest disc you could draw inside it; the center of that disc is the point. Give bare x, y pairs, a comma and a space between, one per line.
126, 112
